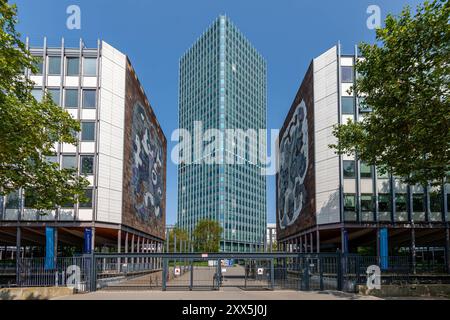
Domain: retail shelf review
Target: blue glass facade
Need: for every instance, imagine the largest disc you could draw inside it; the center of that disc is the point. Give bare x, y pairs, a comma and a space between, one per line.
223, 85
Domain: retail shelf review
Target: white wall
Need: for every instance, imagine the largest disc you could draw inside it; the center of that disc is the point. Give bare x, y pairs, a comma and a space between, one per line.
111, 134
325, 116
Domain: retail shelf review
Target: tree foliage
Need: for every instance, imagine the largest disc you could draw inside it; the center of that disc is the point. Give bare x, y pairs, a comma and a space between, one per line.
207, 236
406, 83
178, 234
30, 129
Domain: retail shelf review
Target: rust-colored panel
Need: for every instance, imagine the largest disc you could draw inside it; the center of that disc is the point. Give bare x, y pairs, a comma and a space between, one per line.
145, 160
295, 182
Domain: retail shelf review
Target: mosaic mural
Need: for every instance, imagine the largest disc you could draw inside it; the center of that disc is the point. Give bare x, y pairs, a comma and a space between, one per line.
147, 168
294, 150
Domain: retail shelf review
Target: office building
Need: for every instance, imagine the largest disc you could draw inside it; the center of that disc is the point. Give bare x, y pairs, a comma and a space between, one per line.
327, 202
223, 86
121, 151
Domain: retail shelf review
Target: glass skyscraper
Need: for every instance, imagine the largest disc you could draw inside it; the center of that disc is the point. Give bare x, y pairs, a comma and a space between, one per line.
222, 86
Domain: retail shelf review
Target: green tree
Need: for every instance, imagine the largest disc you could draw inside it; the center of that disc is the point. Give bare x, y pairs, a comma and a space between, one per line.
178, 234
406, 82
29, 128
207, 236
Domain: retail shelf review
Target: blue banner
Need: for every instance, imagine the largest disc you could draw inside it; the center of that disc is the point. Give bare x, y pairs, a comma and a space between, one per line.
49, 248
345, 247
87, 246
384, 249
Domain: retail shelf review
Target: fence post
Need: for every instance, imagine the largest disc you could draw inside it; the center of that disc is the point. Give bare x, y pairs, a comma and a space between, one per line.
340, 275
164, 275
321, 273
272, 276
93, 273
306, 274
191, 275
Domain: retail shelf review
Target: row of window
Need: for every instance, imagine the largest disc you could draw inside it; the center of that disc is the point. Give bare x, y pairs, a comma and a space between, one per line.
70, 98
69, 161
349, 168
12, 201
89, 66
401, 202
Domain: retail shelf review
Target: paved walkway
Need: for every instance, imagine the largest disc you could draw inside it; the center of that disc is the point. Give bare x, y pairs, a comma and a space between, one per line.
223, 294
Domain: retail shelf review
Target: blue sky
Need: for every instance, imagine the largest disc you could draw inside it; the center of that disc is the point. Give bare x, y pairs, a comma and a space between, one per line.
154, 34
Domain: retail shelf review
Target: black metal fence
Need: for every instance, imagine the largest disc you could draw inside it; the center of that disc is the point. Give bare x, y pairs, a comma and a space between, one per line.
248, 271
40, 272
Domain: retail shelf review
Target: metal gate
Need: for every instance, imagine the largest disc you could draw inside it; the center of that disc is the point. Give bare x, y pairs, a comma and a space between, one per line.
193, 271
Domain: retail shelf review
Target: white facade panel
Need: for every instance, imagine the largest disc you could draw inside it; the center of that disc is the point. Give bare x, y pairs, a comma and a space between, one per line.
90, 82
383, 185
85, 214
366, 186
88, 114
347, 61
345, 91
53, 81
37, 80
349, 186
68, 148
111, 134
87, 147
73, 113
325, 116
72, 81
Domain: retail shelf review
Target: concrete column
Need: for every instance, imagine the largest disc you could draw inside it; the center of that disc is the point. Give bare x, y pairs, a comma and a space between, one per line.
311, 241
318, 241
301, 243
413, 249
18, 245
270, 240
119, 248
126, 246
447, 248
132, 247
306, 243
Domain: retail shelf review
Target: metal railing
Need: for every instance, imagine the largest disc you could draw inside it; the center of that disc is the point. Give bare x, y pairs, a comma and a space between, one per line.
281, 270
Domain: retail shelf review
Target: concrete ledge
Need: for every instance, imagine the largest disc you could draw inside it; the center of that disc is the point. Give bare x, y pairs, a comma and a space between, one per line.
34, 293
411, 290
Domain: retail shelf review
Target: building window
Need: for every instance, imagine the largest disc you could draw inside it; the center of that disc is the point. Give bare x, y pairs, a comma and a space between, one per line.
366, 170
87, 165
349, 168
400, 202
69, 161
366, 202
87, 131
348, 105
54, 66
12, 200
67, 205
37, 94
30, 199
90, 66
347, 74
89, 99
73, 66
55, 94
384, 202
88, 195
349, 207
418, 202
435, 201
71, 98
39, 68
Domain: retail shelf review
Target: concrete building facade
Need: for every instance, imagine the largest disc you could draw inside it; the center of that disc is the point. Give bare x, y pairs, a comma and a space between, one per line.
121, 151
327, 202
